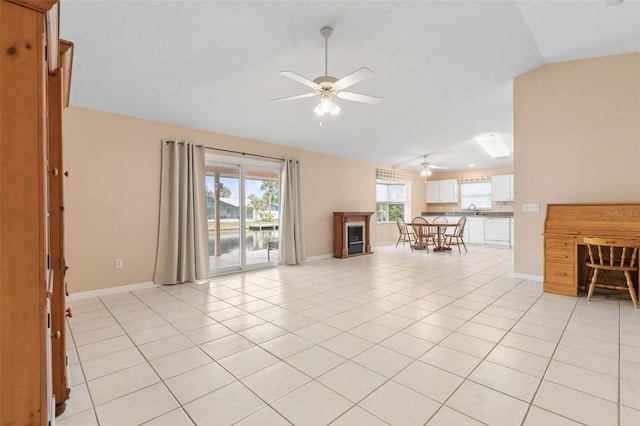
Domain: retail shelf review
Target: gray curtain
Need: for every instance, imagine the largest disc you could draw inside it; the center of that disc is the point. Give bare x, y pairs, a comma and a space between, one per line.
291, 224
183, 251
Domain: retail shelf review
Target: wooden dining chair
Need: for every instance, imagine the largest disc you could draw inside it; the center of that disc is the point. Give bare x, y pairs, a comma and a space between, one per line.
433, 230
420, 227
613, 255
456, 237
440, 219
406, 235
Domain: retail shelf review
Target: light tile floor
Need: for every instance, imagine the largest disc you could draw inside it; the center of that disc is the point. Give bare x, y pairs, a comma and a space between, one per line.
397, 337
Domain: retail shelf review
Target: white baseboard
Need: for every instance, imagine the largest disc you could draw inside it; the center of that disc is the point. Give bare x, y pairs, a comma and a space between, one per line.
319, 257
111, 290
528, 277
387, 243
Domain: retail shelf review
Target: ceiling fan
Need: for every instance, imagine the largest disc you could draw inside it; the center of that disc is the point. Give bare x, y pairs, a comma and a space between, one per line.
427, 168
327, 86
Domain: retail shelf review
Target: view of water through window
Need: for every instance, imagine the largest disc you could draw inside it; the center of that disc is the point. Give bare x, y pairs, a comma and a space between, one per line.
230, 241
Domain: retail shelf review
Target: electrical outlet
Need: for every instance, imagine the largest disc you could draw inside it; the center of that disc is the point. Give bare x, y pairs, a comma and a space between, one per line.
119, 264
531, 207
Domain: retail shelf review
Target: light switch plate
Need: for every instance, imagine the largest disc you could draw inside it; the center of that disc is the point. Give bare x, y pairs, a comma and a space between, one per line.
531, 207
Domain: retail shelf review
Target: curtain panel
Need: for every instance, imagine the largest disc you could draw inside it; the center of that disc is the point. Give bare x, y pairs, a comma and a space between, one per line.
292, 241
183, 251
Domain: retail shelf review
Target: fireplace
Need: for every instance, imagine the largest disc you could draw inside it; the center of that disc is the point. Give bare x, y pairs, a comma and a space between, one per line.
355, 237
351, 234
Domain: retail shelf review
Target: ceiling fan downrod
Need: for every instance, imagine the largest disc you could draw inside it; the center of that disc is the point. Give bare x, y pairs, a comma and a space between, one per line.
326, 33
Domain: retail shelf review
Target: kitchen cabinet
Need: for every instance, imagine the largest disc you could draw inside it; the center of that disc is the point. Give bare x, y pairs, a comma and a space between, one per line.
502, 188
474, 231
442, 191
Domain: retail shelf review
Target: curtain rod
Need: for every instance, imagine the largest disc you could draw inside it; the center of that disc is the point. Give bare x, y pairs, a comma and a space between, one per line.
232, 151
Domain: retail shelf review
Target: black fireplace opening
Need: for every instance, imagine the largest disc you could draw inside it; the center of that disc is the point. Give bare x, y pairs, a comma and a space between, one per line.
355, 239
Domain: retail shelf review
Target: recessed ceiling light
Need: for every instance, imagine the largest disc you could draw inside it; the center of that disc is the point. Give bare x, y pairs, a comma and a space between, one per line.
612, 2
472, 165
494, 145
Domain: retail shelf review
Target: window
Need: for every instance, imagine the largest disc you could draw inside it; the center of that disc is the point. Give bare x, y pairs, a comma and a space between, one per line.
476, 193
390, 201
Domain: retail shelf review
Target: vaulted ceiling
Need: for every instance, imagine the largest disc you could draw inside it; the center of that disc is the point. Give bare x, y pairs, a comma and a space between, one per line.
443, 68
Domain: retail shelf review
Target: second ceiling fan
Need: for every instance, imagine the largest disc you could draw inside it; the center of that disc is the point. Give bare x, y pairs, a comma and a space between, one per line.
428, 167
327, 86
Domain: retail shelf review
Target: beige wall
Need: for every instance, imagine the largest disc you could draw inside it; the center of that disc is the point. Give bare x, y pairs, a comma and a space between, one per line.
577, 139
112, 194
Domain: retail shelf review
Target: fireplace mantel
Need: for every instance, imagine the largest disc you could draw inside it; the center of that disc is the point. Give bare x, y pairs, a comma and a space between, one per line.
341, 221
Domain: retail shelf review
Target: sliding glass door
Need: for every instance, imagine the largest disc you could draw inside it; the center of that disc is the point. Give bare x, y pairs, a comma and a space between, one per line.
243, 213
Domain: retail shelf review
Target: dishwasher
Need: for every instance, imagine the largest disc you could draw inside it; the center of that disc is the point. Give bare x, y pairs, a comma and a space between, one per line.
497, 230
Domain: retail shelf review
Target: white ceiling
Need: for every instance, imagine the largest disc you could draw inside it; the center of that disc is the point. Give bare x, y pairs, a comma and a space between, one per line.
443, 68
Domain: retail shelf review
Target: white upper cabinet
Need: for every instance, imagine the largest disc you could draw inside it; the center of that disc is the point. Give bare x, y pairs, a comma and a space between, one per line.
442, 191
502, 188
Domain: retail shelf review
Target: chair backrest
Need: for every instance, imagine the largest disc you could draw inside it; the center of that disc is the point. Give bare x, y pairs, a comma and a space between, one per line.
419, 225
460, 228
440, 219
613, 253
402, 225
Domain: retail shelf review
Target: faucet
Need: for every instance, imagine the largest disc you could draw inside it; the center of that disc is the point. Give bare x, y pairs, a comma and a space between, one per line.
475, 210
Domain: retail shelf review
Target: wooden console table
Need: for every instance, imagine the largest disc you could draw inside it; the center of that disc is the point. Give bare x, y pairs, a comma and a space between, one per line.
566, 226
341, 223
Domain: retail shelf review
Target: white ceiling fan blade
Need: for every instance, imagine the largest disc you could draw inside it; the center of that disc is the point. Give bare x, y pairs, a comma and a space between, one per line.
291, 98
300, 79
350, 96
353, 78
433, 166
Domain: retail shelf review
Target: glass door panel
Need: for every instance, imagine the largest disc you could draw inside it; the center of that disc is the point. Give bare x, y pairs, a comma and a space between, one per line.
262, 215
224, 217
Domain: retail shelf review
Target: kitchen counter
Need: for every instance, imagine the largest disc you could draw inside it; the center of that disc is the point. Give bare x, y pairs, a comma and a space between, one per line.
468, 213
486, 227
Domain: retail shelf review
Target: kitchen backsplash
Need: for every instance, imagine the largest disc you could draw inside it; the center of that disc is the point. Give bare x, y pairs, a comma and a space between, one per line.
455, 207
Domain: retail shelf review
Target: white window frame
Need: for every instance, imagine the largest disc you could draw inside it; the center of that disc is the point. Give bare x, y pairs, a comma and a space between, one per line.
482, 199
387, 202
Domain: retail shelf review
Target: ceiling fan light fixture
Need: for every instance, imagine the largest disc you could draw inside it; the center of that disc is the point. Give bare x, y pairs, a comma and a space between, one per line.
493, 145
326, 106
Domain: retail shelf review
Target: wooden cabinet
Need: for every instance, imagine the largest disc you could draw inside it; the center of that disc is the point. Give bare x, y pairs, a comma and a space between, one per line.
560, 265
58, 91
28, 288
502, 188
442, 191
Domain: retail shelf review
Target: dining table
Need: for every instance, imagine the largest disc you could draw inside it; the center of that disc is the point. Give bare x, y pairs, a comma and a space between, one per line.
423, 232
442, 229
